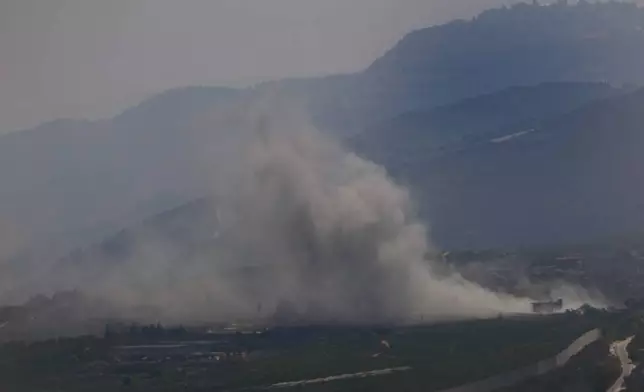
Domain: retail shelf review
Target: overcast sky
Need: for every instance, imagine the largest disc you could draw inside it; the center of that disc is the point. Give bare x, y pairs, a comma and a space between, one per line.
92, 58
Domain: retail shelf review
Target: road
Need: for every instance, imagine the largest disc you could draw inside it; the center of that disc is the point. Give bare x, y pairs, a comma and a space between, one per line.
372, 373
619, 349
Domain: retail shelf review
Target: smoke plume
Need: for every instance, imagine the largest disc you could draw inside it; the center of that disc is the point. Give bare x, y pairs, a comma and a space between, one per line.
341, 237
311, 229
302, 229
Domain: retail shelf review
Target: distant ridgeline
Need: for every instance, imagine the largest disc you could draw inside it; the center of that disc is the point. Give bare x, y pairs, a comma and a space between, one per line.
516, 46
441, 110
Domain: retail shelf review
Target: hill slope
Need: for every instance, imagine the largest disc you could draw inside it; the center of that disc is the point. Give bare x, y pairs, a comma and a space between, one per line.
521, 45
67, 183
573, 178
450, 127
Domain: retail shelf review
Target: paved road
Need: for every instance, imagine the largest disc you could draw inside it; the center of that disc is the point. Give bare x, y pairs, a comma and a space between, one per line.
619, 349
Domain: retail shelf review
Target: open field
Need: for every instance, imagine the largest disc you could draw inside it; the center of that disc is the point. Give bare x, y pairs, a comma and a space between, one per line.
433, 357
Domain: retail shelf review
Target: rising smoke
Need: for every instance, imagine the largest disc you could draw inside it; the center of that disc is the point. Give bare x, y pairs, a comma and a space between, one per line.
341, 235
308, 228
302, 227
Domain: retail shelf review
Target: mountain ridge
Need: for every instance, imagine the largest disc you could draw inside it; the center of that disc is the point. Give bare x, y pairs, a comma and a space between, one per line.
71, 182
478, 118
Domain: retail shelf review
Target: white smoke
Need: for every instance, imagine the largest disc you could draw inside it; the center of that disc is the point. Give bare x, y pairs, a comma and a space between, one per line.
300, 221
339, 239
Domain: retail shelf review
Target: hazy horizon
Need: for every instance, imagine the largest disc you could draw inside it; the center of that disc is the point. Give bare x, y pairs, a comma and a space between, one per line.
82, 59
339, 231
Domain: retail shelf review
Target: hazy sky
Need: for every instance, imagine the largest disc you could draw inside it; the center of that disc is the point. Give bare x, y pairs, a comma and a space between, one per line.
89, 58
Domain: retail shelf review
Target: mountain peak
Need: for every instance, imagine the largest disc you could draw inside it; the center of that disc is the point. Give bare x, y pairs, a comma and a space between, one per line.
522, 24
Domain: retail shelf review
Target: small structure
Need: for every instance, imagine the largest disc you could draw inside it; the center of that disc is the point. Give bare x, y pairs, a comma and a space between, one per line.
547, 307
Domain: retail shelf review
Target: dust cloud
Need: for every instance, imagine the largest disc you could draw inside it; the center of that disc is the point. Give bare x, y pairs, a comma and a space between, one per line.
305, 230
299, 229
